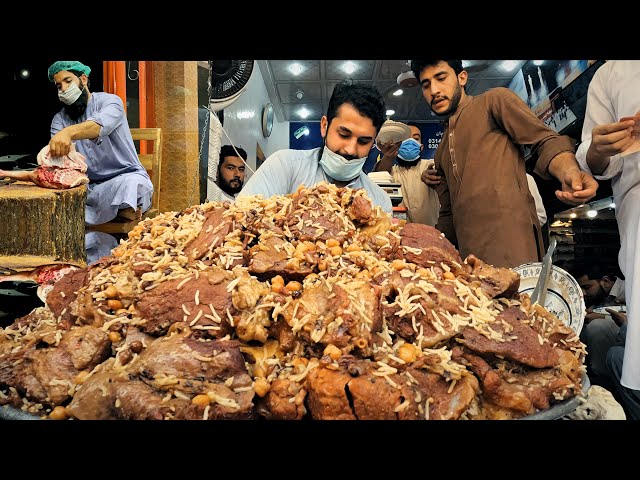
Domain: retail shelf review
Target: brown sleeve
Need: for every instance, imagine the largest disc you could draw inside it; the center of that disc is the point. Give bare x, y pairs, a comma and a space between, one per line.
445, 219
524, 128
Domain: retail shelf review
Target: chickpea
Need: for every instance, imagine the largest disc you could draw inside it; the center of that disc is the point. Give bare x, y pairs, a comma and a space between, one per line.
111, 292
58, 413
354, 247
300, 363
322, 265
114, 305
448, 275
334, 352
398, 264
293, 286
335, 251
201, 400
115, 337
407, 352
116, 269
364, 274
261, 386
81, 377
136, 346
332, 242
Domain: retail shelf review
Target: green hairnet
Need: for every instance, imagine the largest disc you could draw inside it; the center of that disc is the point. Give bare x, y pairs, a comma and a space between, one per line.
67, 65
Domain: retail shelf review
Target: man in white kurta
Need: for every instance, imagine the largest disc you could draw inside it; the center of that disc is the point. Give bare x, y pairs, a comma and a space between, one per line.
610, 149
403, 161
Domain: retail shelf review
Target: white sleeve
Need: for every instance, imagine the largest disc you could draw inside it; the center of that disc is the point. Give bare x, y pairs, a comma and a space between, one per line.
540, 211
599, 111
272, 178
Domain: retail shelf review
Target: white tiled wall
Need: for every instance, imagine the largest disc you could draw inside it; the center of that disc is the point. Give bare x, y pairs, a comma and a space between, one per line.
243, 121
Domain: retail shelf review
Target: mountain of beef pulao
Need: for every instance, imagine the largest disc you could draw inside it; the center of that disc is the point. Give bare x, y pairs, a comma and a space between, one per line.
310, 305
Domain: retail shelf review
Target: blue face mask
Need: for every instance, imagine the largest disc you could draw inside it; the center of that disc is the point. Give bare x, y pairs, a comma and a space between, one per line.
409, 150
338, 167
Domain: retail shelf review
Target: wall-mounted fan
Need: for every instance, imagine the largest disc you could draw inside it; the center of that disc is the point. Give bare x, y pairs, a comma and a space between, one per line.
227, 80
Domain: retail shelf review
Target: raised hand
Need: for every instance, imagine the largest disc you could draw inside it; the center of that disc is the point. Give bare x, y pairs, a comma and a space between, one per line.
430, 177
578, 187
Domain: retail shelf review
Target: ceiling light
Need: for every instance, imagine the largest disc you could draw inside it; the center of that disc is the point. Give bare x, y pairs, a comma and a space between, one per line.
390, 112
573, 215
537, 63
509, 65
397, 92
304, 130
24, 73
592, 213
612, 205
296, 68
299, 94
349, 67
303, 113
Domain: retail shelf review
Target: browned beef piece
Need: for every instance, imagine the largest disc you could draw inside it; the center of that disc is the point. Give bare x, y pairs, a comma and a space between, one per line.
327, 398
95, 399
162, 306
445, 405
380, 238
269, 258
81, 348
320, 308
64, 292
525, 349
374, 398
138, 401
282, 332
436, 249
318, 224
181, 355
140, 265
214, 229
445, 300
517, 390
494, 281
361, 210
276, 405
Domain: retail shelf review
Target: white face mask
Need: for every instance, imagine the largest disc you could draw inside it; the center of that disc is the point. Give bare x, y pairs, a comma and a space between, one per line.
70, 95
338, 167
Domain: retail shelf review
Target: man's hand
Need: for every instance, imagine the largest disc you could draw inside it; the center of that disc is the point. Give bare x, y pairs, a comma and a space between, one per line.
591, 315
578, 187
60, 144
389, 149
613, 138
619, 317
430, 177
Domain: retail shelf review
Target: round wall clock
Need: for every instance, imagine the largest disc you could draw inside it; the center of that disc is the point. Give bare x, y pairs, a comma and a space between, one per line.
267, 119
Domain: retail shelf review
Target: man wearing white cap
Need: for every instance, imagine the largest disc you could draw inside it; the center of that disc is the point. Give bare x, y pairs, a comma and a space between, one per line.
97, 124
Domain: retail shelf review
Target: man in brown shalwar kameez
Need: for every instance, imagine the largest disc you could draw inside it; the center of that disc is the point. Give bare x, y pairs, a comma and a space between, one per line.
486, 208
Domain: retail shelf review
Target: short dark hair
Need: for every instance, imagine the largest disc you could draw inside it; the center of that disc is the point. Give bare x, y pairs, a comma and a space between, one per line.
228, 151
364, 98
593, 270
418, 65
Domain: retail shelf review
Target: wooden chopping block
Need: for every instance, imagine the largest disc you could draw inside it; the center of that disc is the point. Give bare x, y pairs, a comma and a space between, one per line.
41, 226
